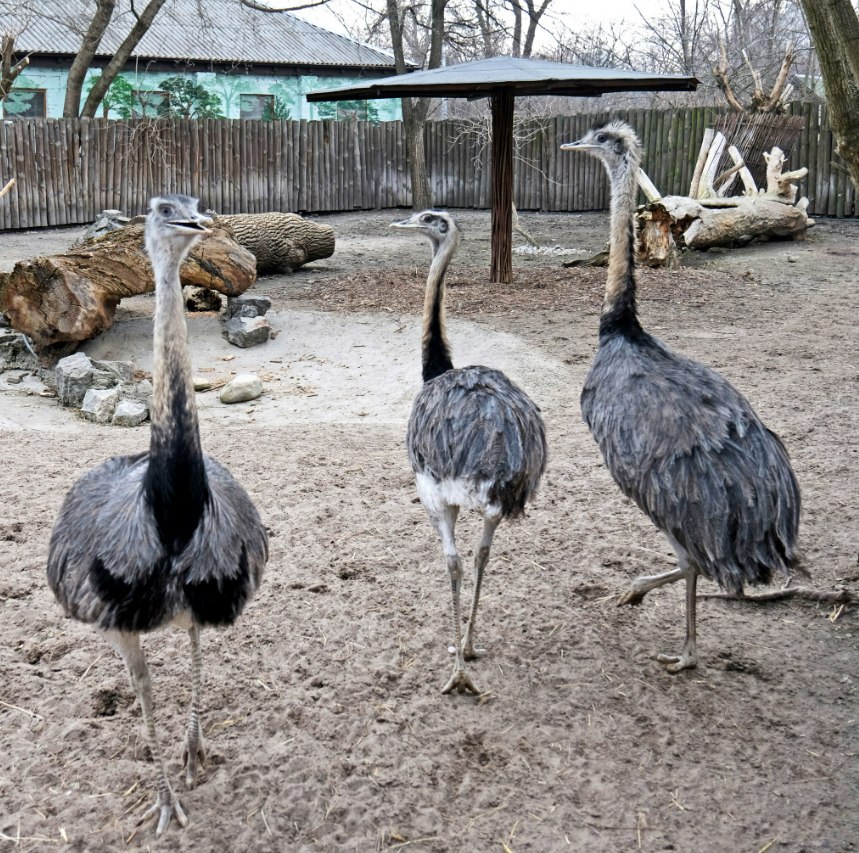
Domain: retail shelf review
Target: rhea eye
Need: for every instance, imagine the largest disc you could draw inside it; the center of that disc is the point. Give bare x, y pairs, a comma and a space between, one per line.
601, 138
166, 211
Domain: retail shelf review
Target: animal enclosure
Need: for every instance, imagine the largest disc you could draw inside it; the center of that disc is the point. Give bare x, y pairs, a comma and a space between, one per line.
69, 170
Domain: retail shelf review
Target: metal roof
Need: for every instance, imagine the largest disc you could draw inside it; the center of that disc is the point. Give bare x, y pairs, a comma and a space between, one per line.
524, 76
223, 31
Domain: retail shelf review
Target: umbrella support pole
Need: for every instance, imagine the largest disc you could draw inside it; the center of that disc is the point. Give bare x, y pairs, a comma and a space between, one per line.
502, 186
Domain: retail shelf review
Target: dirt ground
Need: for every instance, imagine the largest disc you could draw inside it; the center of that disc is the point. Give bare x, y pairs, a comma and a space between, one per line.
326, 729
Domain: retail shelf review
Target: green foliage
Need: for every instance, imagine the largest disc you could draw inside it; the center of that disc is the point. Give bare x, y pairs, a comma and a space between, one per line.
187, 99
280, 110
119, 97
228, 86
349, 110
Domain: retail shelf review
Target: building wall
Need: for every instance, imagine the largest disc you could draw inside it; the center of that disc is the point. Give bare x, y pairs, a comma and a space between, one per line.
226, 91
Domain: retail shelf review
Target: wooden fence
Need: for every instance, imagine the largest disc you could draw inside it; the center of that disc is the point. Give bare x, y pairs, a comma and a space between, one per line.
68, 170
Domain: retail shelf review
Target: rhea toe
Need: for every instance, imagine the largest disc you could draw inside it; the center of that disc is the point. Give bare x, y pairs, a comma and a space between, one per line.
165, 536
677, 437
475, 441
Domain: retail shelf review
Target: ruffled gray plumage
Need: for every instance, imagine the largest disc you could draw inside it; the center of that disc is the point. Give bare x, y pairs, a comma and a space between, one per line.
474, 424
688, 448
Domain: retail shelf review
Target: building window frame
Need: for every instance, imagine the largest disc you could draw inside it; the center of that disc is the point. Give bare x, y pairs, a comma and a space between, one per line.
24, 91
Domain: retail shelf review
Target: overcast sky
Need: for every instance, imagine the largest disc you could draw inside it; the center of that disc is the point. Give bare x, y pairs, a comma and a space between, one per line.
573, 11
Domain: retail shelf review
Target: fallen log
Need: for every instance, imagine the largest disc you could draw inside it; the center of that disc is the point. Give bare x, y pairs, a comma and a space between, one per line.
281, 242
73, 296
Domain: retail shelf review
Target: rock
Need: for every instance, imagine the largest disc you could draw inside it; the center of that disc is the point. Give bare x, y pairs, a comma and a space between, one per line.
14, 352
245, 387
74, 377
102, 379
792, 259
99, 405
15, 377
202, 299
130, 413
247, 305
105, 222
122, 370
247, 331
201, 384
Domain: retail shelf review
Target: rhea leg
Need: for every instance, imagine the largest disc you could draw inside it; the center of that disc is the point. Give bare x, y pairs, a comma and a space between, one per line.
480, 561
688, 657
641, 586
444, 520
166, 805
195, 748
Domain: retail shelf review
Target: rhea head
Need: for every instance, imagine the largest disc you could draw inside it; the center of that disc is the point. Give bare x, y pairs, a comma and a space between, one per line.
615, 144
437, 226
174, 223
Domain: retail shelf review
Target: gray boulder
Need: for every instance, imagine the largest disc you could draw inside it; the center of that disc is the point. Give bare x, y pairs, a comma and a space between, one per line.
244, 387
122, 371
99, 405
105, 222
130, 413
74, 375
247, 331
247, 305
14, 352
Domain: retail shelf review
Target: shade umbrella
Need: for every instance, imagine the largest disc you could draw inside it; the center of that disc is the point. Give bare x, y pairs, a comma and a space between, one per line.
501, 79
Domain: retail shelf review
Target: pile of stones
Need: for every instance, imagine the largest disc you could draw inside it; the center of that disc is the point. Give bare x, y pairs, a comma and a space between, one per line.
104, 391
245, 324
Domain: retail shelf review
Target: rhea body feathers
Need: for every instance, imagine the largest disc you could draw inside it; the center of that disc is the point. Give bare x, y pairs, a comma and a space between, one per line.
677, 437
475, 440
167, 535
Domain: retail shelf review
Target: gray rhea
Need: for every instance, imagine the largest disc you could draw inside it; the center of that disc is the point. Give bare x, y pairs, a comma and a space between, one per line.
164, 537
475, 441
677, 437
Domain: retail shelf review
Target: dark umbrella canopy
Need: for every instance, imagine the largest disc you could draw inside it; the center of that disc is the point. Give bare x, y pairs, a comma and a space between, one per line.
501, 79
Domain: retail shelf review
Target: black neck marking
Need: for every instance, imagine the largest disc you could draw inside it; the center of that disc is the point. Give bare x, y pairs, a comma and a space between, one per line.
176, 485
436, 355
621, 318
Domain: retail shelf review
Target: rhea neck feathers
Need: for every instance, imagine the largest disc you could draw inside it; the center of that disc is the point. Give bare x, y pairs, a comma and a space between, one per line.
435, 349
175, 483
619, 315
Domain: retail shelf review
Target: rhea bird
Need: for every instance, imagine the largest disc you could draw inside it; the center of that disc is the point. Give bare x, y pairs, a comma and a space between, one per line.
165, 536
677, 437
475, 441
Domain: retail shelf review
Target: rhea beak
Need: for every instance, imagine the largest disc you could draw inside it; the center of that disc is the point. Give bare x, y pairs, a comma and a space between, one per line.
406, 223
580, 145
199, 225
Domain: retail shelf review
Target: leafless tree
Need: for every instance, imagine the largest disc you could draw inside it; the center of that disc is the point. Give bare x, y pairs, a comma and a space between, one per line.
10, 69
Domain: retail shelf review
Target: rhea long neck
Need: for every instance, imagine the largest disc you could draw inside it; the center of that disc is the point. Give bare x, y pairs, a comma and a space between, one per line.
619, 315
435, 349
176, 478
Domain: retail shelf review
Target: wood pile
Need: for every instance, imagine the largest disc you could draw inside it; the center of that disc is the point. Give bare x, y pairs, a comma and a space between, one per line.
709, 216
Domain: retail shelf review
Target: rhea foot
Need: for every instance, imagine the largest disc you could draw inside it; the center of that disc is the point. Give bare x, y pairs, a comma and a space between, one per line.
192, 753
687, 659
632, 596
460, 682
468, 650
165, 811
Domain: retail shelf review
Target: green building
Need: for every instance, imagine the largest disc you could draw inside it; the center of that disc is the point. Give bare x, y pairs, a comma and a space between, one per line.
209, 59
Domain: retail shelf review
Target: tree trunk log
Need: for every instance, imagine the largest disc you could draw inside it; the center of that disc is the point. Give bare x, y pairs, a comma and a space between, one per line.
281, 242
714, 222
501, 271
73, 296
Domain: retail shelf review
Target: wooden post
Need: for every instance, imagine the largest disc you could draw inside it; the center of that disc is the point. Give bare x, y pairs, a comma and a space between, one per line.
502, 187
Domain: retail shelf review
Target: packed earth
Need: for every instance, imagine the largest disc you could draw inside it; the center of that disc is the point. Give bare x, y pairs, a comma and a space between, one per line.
325, 727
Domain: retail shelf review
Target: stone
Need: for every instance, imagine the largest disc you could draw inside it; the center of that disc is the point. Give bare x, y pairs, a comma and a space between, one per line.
201, 384
100, 404
792, 259
247, 331
15, 353
247, 305
130, 413
15, 377
102, 379
74, 377
106, 221
244, 387
122, 370
202, 299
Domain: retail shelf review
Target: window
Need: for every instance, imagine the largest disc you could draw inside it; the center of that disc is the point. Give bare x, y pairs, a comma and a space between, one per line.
25, 103
148, 103
260, 107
